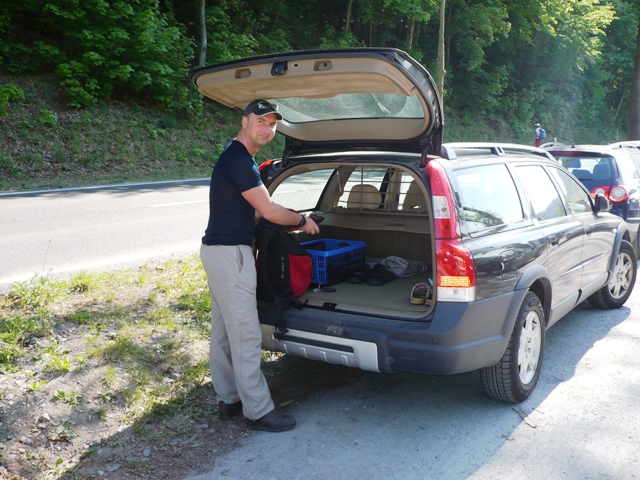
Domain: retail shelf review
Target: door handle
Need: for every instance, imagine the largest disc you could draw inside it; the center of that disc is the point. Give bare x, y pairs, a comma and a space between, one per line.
506, 257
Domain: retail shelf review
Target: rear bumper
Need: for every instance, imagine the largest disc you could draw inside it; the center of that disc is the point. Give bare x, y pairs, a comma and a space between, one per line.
455, 338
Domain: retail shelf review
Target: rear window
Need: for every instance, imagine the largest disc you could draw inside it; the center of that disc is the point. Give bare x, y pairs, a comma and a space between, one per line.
353, 189
489, 197
347, 106
585, 167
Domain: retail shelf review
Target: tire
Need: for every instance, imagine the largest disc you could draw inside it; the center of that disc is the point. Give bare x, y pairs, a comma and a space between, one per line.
515, 376
617, 291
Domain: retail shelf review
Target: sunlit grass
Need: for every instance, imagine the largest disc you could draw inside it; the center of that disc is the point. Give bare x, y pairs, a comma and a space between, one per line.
37, 292
141, 334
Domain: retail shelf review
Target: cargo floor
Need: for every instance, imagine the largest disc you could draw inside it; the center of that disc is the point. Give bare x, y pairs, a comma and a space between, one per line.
391, 299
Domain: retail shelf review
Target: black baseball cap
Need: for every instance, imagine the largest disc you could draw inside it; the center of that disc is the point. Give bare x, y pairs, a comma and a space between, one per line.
261, 108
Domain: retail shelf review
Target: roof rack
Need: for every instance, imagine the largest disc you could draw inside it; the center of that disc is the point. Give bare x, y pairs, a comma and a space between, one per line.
452, 151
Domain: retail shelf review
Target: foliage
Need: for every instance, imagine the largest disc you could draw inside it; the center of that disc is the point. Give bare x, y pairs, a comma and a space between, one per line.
9, 93
100, 49
237, 29
564, 63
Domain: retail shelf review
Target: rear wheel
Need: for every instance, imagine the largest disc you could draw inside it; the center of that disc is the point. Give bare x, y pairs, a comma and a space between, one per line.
515, 376
615, 293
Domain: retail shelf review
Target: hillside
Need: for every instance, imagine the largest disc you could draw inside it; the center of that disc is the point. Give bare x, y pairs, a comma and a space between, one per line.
45, 144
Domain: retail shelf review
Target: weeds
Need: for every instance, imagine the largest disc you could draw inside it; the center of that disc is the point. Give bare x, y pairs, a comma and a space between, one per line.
37, 292
34, 386
61, 432
57, 364
70, 398
82, 282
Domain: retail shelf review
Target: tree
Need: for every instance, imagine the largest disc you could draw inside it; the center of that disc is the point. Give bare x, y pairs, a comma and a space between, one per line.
441, 68
633, 125
202, 57
633, 128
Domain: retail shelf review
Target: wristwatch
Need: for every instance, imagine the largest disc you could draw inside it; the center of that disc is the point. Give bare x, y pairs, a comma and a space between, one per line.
303, 221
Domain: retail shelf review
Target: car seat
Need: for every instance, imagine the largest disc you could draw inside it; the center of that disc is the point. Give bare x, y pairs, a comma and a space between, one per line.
364, 196
602, 171
414, 197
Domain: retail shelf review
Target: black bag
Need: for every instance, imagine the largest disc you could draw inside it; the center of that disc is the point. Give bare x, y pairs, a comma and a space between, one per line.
284, 266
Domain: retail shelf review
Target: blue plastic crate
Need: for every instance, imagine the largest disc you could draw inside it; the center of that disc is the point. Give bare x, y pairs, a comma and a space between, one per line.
332, 259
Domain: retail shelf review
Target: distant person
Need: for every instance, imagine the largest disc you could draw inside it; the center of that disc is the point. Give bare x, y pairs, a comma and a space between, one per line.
540, 134
235, 196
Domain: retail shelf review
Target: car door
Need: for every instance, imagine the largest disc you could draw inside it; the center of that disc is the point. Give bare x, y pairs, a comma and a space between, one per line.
599, 236
563, 232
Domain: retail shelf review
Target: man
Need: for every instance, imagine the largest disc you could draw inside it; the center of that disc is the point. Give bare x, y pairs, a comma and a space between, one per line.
236, 194
539, 134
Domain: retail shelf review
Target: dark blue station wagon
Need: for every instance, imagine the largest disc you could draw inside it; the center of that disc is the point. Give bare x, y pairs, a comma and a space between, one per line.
467, 259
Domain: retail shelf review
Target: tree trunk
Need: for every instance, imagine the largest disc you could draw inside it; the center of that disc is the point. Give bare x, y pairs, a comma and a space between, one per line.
202, 58
633, 129
410, 32
347, 20
441, 70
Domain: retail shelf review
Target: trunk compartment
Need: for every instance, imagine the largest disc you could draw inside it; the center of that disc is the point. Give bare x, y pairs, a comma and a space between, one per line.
392, 299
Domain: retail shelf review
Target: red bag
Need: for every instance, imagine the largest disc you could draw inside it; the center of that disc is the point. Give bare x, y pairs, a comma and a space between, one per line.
284, 266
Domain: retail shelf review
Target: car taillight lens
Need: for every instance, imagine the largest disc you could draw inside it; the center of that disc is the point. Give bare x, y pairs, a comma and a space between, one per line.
265, 164
455, 268
616, 194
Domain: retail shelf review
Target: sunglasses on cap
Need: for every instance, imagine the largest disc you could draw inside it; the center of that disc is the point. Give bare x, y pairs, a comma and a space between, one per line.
262, 107
266, 106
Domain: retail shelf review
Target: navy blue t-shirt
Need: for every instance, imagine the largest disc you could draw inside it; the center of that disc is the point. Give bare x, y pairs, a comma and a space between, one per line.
231, 217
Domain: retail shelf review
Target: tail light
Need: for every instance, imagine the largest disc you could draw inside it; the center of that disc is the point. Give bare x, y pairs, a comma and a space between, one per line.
265, 165
455, 268
616, 194
268, 170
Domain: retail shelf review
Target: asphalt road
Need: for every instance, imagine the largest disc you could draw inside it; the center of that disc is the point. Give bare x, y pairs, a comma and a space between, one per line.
53, 232
581, 422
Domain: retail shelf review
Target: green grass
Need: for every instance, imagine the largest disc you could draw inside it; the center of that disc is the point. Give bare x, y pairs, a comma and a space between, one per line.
138, 330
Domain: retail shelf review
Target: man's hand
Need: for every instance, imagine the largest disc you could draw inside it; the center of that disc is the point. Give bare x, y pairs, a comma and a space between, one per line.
311, 227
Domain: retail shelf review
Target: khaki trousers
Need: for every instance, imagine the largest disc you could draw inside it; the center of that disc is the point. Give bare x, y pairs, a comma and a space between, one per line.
235, 350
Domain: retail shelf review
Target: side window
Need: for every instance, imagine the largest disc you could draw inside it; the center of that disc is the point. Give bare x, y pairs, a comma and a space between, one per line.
302, 192
546, 203
488, 197
577, 199
636, 160
628, 171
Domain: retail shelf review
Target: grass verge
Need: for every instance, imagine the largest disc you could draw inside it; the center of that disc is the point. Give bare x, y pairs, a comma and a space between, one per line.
107, 375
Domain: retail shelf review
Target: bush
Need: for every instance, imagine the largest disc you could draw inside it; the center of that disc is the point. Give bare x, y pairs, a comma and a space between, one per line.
102, 48
9, 93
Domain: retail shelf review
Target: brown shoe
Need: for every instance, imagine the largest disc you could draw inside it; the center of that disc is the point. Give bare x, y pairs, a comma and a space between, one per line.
226, 411
274, 421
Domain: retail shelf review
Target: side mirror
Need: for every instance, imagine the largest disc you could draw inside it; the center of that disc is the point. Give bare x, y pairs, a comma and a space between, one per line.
601, 203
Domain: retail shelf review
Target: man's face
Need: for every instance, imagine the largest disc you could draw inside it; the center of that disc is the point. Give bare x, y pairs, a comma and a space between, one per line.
260, 130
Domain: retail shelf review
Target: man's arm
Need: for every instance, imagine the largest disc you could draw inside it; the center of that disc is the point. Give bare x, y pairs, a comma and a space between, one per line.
260, 199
